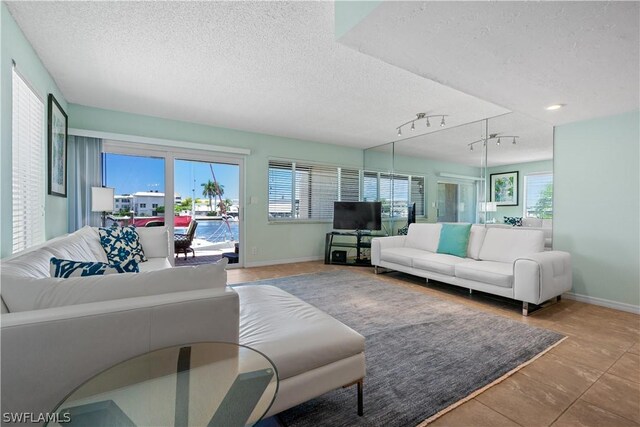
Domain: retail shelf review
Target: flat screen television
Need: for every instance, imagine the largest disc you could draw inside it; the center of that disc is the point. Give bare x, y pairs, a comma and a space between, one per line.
357, 215
411, 214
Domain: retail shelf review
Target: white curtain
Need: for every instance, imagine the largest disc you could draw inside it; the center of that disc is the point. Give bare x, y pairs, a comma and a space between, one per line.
85, 171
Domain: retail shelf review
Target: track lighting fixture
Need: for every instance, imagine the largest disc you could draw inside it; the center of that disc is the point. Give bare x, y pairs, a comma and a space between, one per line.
421, 116
493, 136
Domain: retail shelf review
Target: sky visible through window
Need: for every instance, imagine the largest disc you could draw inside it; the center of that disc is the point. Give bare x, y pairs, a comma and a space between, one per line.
130, 174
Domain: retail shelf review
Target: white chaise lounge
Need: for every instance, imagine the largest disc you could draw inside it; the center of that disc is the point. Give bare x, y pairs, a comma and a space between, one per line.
57, 333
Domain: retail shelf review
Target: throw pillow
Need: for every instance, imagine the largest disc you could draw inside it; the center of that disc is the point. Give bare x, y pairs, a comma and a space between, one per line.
515, 221
121, 244
454, 239
67, 268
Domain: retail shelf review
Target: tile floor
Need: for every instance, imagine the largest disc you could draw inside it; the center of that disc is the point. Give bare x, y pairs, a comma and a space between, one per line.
590, 379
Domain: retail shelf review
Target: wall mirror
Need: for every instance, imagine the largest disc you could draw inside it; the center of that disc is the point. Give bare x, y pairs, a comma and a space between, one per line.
468, 173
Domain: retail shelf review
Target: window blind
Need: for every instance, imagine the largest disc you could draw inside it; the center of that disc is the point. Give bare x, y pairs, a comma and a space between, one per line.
28, 179
314, 188
538, 195
417, 194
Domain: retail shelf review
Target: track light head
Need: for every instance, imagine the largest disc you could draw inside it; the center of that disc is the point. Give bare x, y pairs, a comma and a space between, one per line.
471, 147
400, 131
498, 141
442, 122
514, 140
413, 125
428, 123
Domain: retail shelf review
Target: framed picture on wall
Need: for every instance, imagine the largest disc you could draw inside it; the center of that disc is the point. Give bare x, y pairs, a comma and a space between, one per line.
504, 188
57, 148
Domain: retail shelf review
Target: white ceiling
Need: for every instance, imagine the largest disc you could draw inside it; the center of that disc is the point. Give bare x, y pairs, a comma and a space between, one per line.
275, 67
268, 67
522, 55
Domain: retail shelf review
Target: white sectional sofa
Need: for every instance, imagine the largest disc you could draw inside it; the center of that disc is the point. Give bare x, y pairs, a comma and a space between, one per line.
509, 262
57, 333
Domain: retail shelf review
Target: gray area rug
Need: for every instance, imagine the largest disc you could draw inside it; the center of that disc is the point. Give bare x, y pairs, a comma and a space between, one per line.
423, 354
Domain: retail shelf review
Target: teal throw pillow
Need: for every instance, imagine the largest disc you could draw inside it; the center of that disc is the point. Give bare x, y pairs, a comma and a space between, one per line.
67, 268
454, 239
121, 244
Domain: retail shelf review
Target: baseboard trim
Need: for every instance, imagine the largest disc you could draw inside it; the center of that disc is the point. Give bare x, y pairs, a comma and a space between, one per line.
281, 261
603, 302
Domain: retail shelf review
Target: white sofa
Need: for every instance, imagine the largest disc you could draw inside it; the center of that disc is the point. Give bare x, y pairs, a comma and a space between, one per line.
510, 262
57, 333
544, 225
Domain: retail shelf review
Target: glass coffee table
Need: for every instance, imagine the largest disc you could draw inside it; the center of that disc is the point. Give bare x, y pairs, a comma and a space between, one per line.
201, 384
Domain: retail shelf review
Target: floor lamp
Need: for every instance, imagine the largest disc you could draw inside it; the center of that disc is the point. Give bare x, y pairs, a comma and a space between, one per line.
102, 200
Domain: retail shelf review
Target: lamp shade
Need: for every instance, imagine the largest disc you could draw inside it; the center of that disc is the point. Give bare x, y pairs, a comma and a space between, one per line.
102, 199
488, 207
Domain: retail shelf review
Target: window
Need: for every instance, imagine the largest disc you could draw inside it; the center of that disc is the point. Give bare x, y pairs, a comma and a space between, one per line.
154, 205
538, 195
306, 191
28, 178
401, 189
143, 205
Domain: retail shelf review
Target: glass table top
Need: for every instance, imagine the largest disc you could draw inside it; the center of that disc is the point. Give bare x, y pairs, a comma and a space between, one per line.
201, 384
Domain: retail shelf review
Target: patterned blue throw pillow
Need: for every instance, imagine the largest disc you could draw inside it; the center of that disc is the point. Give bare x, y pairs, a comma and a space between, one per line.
515, 221
67, 268
121, 245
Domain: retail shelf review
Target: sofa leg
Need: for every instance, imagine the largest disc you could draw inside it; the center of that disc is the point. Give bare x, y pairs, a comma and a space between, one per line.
558, 298
375, 269
360, 405
470, 291
525, 308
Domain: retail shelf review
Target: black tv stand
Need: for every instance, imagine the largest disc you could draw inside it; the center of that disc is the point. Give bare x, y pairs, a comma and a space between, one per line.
362, 241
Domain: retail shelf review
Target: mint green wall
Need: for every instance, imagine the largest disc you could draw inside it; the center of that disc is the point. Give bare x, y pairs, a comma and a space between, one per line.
349, 13
273, 241
597, 186
524, 169
14, 46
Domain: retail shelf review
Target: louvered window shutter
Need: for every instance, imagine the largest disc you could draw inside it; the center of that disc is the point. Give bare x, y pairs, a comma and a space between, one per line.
28, 166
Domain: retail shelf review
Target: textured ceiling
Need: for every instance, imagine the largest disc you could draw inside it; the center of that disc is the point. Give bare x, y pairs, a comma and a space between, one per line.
521, 55
268, 67
535, 142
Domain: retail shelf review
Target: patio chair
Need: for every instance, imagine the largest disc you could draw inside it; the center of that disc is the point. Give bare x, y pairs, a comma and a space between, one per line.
182, 242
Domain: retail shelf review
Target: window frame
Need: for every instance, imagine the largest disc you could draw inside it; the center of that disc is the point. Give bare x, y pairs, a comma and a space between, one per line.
524, 192
273, 162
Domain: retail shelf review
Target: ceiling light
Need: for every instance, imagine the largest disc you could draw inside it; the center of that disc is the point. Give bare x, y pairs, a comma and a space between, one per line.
554, 107
420, 116
490, 137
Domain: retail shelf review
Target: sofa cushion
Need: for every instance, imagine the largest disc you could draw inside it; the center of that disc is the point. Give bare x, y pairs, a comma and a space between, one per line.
491, 272
24, 293
508, 244
155, 241
454, 239
295, 335
121, 244
476, 238
423, 236
67, 268
438, 263
402, 256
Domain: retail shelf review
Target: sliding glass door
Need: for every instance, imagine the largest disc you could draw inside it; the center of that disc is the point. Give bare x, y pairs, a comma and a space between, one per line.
456, 202
162, 185
209, 192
